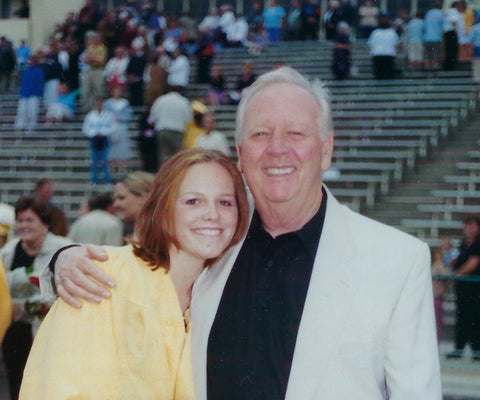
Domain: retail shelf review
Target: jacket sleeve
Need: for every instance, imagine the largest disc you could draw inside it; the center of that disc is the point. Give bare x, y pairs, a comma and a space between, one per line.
411, 362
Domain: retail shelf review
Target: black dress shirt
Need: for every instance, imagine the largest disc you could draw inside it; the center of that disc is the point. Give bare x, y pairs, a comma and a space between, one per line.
252, 340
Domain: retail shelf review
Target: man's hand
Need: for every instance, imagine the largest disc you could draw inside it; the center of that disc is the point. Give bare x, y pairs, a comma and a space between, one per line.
77, 276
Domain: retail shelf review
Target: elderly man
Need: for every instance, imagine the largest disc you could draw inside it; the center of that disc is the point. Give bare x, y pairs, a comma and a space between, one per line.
318, 302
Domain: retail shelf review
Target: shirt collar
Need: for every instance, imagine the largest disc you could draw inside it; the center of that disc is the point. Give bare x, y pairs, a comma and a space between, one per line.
309, 234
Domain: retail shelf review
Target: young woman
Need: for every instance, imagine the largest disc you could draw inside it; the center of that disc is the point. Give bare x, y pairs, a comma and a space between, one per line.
137, 346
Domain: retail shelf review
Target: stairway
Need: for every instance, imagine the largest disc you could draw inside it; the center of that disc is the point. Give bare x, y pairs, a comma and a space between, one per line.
403, 197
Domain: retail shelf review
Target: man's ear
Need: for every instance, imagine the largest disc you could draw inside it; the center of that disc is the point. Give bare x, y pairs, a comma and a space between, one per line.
327, 151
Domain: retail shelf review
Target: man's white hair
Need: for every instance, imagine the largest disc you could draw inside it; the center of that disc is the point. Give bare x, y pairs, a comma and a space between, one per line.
287, 75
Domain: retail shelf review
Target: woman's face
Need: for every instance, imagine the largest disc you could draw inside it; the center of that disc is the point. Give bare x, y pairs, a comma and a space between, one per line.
205, 215
29, 226
127, 205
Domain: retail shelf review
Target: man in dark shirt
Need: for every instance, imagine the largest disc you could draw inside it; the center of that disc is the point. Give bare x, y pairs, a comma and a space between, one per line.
468, 292
318, 302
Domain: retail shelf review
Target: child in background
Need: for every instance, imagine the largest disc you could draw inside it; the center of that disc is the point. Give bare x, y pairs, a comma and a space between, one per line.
64, 106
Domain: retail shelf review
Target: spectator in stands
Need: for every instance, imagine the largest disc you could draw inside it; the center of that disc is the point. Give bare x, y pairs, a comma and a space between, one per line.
210, 21
129, 33
119, 152
194, 127
131, 193
23, 257
244, 80
52, 72
44, 190
7, 63
72, 75
439, 270
352, 263
87, 20
109, 30
147, 143
135, 70
179, 70
294, 21
64, 107
368, 13
311, 19
237, 33
414, 33
98, 226
205, 52
468, 18
453, 19
212, 139
170, 113
348, 12
5, 303
259, 41
7, 222
175, 33
468, 300
254, 16
432, 37
154, 22
99, 125
474, 39
155, 78
30, 92
341, 52
22, 53
383, 43
225, 21
115, 71
216, 90
330, 19
274, 21
93, 59
155, 276
189, 24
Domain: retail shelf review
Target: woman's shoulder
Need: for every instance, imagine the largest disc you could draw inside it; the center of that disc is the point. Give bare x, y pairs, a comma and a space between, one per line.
123, 263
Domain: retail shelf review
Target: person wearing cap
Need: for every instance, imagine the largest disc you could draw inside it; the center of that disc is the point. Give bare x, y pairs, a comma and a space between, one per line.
194, 127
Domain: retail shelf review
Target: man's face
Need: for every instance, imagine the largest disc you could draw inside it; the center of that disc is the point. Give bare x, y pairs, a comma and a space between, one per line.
281, 153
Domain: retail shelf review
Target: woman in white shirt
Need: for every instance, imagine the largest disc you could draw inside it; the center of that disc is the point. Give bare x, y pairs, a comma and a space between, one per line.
383, 44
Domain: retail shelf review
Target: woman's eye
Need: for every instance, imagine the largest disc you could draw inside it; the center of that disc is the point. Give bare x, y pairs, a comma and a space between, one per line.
192, 201
226, 203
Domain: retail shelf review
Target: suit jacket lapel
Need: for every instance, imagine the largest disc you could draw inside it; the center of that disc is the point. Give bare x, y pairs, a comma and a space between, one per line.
329, 297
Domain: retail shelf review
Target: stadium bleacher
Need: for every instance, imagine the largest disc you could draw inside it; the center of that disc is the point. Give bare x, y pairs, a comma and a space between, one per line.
385, 131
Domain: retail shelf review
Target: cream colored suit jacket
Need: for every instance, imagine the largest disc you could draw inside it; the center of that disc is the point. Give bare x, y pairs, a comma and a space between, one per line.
367, 331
